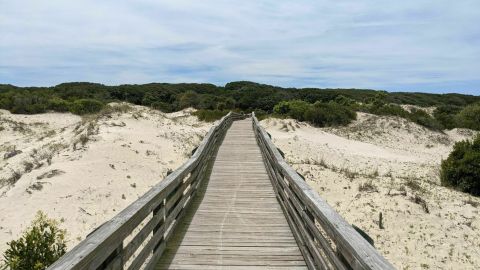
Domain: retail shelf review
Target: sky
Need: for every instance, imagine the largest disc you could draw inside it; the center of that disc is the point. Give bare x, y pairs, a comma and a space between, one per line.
408, 45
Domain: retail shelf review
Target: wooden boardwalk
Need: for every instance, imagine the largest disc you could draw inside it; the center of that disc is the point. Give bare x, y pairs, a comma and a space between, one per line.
235, 221
241, 207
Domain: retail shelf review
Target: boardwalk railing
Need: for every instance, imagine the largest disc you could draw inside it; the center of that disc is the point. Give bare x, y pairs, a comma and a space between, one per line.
137, 236
325, 239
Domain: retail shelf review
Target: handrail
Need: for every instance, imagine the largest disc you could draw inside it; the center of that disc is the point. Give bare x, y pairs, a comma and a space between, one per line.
325, 239
137, 236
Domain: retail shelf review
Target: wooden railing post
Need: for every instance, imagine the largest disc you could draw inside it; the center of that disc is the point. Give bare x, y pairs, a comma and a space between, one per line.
114, 261
161, 211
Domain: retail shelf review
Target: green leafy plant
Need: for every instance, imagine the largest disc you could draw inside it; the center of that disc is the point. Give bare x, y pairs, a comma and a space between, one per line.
58, 105
188, 99
461, 170
424, 119
86, 106
469, 117
446, 115
243, 96
40, 246
295, 109
318, 114
329, 114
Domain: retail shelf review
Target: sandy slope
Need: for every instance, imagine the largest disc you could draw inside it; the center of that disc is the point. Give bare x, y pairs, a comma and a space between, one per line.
397, 164
85, 185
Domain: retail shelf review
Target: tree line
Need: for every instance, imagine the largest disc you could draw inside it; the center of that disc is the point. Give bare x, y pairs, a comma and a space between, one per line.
320, 107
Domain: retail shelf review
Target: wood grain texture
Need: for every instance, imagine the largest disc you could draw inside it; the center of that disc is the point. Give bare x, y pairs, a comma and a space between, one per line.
235, 221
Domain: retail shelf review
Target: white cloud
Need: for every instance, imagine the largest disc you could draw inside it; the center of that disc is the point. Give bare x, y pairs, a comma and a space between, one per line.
398, 45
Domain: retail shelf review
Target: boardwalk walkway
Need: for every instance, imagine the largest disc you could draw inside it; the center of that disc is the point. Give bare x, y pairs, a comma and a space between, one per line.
235, 221
241, 207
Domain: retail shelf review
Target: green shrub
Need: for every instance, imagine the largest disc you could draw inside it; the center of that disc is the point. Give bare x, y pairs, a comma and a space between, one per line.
319, 114
40, 246
210, 115
388, 109
417, 116
469, 117
446, 115
424, 119
58, 105
227, 104
345, 101
24, 103
188, 99
329, 114
295, 109
29, 109
86, 106
461, 170
162, 106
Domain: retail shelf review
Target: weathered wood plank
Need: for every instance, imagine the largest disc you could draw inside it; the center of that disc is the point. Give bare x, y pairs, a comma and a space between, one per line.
236, 219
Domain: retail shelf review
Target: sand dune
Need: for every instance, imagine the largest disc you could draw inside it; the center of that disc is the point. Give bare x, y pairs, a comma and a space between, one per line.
391, 166
84, 171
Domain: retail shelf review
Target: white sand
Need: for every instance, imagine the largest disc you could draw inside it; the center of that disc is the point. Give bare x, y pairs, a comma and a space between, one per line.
393, 155
127, 153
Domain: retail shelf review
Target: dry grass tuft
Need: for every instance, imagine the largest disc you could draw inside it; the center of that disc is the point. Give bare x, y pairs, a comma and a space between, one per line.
367, 187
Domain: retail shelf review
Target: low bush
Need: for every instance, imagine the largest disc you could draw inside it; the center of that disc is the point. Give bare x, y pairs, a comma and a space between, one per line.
86, 106
345, 101
163, 106
424, 119
446, 115
461, 170
40, 246
417, 116
318, 114
329, 114
58, 105
295, 109
388, 109
469, 117
188, 99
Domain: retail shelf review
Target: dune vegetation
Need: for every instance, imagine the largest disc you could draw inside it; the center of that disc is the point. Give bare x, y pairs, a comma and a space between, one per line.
395, 147
452, 110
